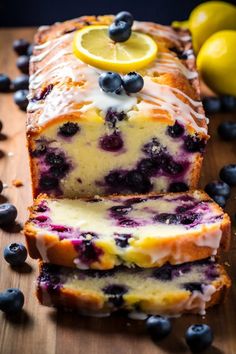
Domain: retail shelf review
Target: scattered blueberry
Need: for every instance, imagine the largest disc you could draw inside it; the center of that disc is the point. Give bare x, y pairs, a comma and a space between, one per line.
15, 254
172, 168
69, 129
126, 17
176, 187
228, 174
8, 213
21, 82
194, 144
20, 98
119, 31
110, 82
148, 166
112, 142
133, 82
54, 159
218, 188
211, 104
30, 50
21, 46
228, 103
115, 179
176, 130
5, 83
137, 182
158, 327
227, 130
11, 300
59, 170
23, 64
199, 337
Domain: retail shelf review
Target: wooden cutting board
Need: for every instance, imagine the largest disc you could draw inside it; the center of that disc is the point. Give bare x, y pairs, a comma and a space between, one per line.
41, 330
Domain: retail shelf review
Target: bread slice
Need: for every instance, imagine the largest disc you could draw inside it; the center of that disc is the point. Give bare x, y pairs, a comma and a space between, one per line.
169, 290
83, 141
144, 230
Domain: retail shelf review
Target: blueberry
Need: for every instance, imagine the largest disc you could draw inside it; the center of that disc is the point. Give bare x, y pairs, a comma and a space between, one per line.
148, 166
112, 117
11, 300
30, 50
40, 150
118, 210
110, 82
54, 159
8, 213
172, 168
20, 98
194, 144
153, 148
112, 142
167, 218
211, 104
21, 82
133, 82
158, 327
23, 64
115, 179
228, 174
218, 188
21, 46
68, 129
126, 17
163, 273
188, 218
176, 130
176, 187
60, 170
227, 130
43, 93
48, 182
119, 31
116, 293
137, 182
228, 103
220, 199
193, 286
122, 240
125, 222
5, 83
199, 337
15, 254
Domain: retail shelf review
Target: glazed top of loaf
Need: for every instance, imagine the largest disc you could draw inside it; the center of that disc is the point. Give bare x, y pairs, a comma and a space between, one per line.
63, 87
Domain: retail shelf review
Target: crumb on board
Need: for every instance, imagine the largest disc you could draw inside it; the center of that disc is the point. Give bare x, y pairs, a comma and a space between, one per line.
17, 183
227, 264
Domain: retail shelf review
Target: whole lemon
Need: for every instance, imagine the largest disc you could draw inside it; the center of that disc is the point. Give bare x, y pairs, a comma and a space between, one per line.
216, 62
210, 17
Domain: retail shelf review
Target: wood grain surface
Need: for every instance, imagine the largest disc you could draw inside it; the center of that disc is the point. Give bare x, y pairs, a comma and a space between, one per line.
41, 330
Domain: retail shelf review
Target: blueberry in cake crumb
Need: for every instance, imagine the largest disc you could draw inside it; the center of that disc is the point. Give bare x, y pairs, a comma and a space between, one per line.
199, 337
228, 174
50, 278
228, 103
119, 210
59, 170
119, 31
5, 83
11, 300
188, 218
43, 93
15, 254
167, 218
125, 222
137, 182
176, 130
163, 273
211, 104
153, 148
218, 188
68, 129
122, 240
54, 159
88, 252
20, 82
23, 64
126, 17
112, 142
158, 327
112, 117
133, 82
20, 98
39, 151
171, 167
21, 46
115, 179
193, 286
194, 144
227, 130
116, 293
148, 167
110, 81
48, 183
8, 213
176, 187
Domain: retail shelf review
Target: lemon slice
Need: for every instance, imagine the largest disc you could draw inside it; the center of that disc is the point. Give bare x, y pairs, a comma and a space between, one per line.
93, 46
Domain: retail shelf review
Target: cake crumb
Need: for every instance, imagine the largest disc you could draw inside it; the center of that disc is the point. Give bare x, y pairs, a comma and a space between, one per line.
17, 183
227, 264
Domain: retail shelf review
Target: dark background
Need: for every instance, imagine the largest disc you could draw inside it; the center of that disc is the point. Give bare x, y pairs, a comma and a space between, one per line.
38, 12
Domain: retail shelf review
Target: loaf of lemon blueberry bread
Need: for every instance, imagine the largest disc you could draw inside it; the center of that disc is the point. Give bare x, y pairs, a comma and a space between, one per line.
85, 141
143, 230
